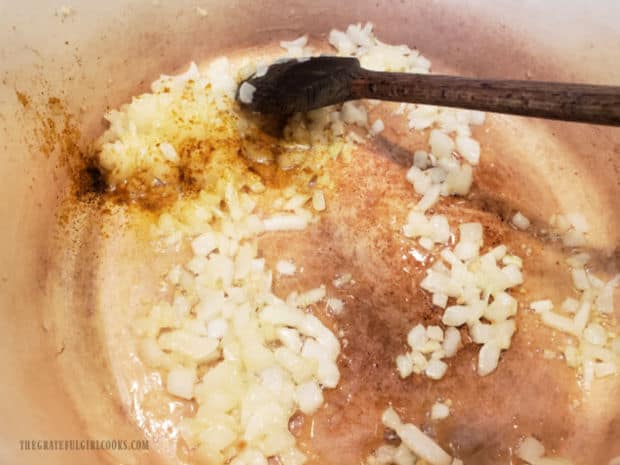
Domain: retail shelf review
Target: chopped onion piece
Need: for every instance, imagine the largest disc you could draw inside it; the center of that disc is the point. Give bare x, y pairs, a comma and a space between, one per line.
285, 223
580, 279
541, 305
429, 199
440, 300
404, 365
422, 445
469, 149
285, 267
605, 299
169, 152
488, 358
520, 221
441, 144
311, 297
570, 305
204, 244
217, 328
342, 280
420, 159
309, 397
439, 411
559, 322
391, 419
595, 334
246, 92
436, 369
318, 200
451, 341
180, 382
403, 456
335, 305
427, 243
455, 315
416, 338
377, 127
602, 369
582, 316
435, 333
530, 450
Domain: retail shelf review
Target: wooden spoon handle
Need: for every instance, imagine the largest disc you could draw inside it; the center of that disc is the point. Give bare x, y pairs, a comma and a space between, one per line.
570, 102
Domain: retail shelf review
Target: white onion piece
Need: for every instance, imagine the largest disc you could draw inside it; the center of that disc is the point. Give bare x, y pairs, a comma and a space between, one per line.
429, 199
309, 397
285, 267
520, 221
403, 456
540, 306
488, 358
455, 315
404, 366
570, 305
451, 342
441, 144
318, 200
559, 322
246, 92
580, 279
335, 305
469, 149
434, 332
422, 445
180, 382
582, 316
595, 334
605, 299
436, 369
204, 244
530, 450
391, 419
285, 223
377, 127
439, 411
416, 338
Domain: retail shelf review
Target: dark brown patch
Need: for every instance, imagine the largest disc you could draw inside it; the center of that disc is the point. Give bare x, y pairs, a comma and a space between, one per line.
23, 98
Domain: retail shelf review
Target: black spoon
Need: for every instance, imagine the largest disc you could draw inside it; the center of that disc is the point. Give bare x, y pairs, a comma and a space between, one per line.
301, 85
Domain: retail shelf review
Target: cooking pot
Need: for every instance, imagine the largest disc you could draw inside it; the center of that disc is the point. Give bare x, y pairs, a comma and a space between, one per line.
67, 267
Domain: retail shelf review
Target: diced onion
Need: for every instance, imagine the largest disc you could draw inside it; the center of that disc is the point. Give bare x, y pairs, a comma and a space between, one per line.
541, 306
520, 221
309, 397
377, 127
285, 223
318, 200
451, 341
335, 305
285, 267
422, 445
246, 92
530, 450
436, 369
488, 358
180, 382
439, 411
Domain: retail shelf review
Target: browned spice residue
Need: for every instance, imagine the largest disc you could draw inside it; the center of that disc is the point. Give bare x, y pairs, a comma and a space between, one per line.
23, 99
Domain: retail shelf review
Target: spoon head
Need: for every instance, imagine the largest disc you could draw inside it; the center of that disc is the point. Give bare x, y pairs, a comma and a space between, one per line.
299, 85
